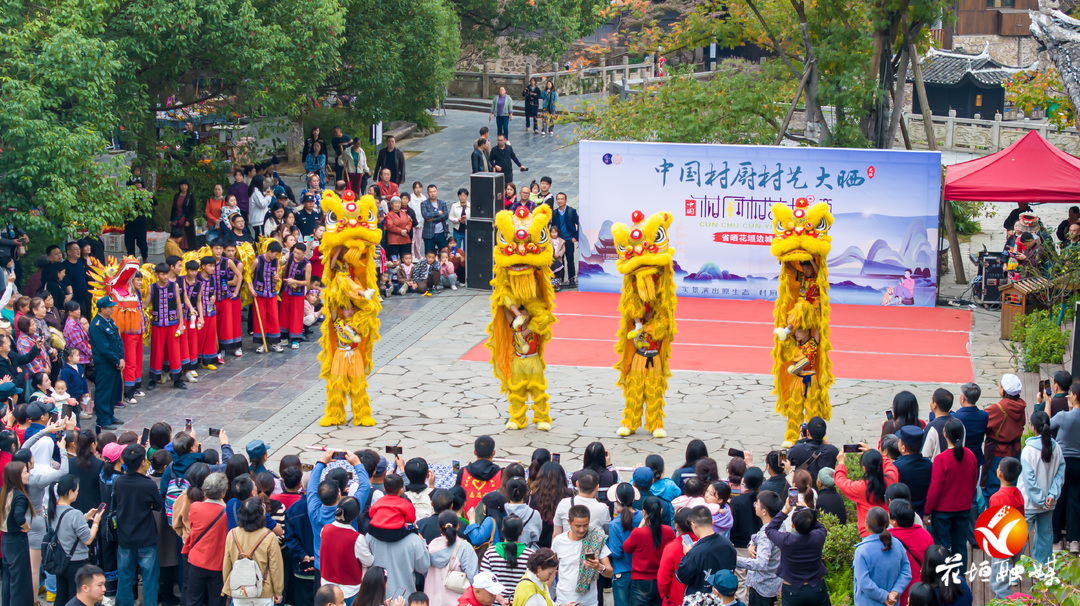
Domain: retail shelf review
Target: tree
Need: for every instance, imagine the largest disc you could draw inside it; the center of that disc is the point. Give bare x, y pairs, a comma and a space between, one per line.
734, 106
1042, 89
545, 28
57, 96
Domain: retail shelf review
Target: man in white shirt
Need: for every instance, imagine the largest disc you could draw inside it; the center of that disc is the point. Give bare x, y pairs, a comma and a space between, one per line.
568, 546
588, 483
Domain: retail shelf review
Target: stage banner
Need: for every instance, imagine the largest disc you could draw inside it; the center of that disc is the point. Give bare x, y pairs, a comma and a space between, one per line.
884, 204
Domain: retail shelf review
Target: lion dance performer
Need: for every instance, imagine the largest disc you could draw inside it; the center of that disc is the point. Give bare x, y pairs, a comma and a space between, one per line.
351, 304
801, 364
647, 324
522, 301
122, 281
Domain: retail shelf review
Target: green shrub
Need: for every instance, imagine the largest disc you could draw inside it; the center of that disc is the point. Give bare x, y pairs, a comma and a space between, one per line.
967, 216
1042, 340
838, 556
1062, 588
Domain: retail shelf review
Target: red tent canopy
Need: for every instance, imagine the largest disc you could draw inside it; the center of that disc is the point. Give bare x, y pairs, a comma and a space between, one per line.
1030, 170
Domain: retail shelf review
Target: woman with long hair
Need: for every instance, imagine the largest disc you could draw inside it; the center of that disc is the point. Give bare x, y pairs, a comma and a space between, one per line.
506, 559
881, 565
72, 532
258, 204
744, 522
448, 554
252, 538
487, 530
511, 471
182, 214
551, 488
16, 514
315, 162
373, 589
718, 499
625, 521
598, 459
87, 467
1042, 476
194, 478
540, 456
341, 544
948, 592
236, 466
905, 411
509, 196
952, 491
878, 473
645, 545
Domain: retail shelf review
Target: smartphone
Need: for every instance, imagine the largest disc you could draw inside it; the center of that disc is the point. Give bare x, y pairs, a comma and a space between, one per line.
736, 453
187, 424
456, 465
339, 455
306, 467
792, 496
394, 450
590, 556
783, 454
200, 447
850, 448
214, 432
889, 414
687, 539
555, 457
101, 507
400, 593
66, 408
145, 435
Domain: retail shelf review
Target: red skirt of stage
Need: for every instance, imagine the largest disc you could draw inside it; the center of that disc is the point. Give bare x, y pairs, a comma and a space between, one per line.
228, 323
292, 316
164, 345
266, 322
208, 344
133, 359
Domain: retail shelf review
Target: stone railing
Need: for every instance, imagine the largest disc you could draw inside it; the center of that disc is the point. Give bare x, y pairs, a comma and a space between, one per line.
976, 135
579, 81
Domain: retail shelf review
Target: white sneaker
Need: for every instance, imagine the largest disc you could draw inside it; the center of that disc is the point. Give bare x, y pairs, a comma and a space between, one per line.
139, 393
239, 352
294, 345
86, 415
132, 401
453, 287
190, 377
276, 348
260, 349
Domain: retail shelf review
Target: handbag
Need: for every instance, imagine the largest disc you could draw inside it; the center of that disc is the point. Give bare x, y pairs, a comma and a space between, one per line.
456, 580
58, 341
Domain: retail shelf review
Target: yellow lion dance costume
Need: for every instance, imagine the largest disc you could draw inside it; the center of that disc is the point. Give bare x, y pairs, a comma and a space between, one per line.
801, 364
522, 301
647, 324
351, 304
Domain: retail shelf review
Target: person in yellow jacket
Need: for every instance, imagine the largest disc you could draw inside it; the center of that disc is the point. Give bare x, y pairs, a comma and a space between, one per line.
534, 589
252, 540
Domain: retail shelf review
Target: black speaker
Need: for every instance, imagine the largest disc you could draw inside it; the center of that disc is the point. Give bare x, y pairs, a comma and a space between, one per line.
480, 241
487, 190
992, 274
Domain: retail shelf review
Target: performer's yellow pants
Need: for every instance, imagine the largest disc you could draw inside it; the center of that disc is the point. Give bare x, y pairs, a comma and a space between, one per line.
527, 380
644, 389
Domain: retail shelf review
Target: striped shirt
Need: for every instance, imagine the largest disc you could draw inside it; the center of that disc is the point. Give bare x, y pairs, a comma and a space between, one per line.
508, 577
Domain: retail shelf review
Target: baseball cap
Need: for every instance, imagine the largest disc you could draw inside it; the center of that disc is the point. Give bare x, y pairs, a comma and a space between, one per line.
380, 467
36, 410
643, 477
112, 452
308, 198
256, 449
724, 581
488, 582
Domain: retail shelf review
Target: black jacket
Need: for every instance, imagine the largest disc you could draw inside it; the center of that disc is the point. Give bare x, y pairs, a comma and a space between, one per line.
915, 470
531, 94
744, 523
711, 554
395, 161
804, 450
105, 343
136, 497
479, 161
505, 159
830, 501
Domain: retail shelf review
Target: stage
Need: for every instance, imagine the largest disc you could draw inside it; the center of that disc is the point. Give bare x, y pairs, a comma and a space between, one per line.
904, 344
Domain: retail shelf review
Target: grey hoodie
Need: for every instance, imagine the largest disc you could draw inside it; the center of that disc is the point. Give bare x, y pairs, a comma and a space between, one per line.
400, 559
533, 524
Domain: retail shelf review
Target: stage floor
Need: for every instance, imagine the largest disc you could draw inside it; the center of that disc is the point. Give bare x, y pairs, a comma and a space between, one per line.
908, 344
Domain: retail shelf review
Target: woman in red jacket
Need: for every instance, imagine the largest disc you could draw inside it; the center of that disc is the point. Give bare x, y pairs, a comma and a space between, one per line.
671, 590
952, 491
646, 544
878, 473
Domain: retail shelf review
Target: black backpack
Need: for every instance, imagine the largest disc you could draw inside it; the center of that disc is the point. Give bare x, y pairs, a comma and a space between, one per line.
53, 556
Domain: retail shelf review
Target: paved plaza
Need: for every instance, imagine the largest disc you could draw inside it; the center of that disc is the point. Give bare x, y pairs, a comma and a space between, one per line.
436, 404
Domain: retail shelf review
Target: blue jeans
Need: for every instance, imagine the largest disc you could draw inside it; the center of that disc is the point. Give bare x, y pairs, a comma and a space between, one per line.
950, 529
999, 576
146, 558
1041, 535
644, 593
502, 126
620, 588
992, 483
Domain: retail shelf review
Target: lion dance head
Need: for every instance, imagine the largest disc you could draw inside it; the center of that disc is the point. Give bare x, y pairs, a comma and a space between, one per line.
522, 256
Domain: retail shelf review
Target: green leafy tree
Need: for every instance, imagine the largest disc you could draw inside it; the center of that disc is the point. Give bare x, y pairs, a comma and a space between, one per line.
57, 100
734, 106
545, 28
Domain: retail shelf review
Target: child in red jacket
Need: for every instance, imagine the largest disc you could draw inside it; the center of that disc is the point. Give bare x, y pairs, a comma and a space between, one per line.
1008, 472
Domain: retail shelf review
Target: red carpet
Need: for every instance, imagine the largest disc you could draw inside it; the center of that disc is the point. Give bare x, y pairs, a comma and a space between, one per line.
917, 344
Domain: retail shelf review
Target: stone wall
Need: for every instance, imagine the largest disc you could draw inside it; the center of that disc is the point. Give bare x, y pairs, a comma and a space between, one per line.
1017, 51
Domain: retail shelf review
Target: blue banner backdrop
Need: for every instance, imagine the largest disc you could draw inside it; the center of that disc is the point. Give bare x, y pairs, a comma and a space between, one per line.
884, 204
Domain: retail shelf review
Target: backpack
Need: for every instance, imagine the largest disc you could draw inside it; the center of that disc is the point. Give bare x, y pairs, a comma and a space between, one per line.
246, 578
53, 556
173, 490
